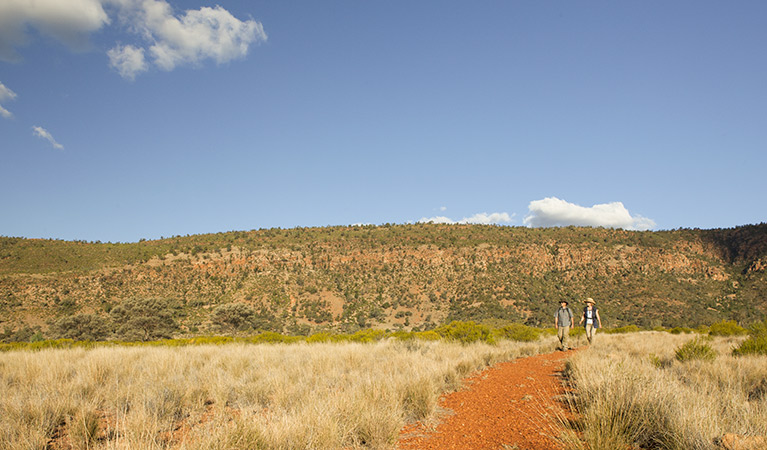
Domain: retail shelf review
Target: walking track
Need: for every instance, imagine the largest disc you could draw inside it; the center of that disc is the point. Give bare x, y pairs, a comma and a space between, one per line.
512, 405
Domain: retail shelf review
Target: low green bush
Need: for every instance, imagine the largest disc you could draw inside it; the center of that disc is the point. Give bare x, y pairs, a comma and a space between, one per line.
319, 337
577, 331
465, 332
430, 335
726, 328
701, 329
756, 344
550, 331
209, 340
368, 335
402, 335
695, 349
680, 330
270, 337
518, 332
758, 328
48, 344
623, 329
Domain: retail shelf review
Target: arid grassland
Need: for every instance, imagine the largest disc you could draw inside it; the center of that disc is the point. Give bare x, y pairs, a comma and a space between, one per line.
299, 396
662, 391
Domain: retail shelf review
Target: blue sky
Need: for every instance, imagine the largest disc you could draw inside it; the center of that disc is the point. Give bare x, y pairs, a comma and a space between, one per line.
129, 119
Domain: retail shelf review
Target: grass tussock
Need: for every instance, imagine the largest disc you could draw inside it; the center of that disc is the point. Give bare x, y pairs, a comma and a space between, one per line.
634, 391
321, 396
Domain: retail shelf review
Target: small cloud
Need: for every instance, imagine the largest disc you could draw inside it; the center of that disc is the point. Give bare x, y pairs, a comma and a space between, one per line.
68, 21
553, 212
128, 61
43, 133
443, 208
6, 95
480, 218
169, 40
188, 39
437, 219
487, 219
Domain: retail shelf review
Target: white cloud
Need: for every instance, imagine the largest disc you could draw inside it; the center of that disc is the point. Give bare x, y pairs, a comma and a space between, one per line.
43, 133
443, 208
171, 40
128, 61
69, 21
553, 212
437, 219
5, 95
480, 218
188, 39
484, 218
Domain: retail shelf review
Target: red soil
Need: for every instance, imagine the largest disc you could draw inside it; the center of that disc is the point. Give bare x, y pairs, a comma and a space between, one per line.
509, 406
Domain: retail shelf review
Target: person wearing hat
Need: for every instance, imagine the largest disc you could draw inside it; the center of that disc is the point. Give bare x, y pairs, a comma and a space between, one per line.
590, 319
563, 320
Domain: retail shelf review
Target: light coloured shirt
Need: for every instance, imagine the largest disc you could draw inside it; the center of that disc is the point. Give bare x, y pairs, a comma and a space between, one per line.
564, 316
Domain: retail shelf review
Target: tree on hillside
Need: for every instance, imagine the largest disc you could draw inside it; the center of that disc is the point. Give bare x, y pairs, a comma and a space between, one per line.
144, 319
82, 327
234, 316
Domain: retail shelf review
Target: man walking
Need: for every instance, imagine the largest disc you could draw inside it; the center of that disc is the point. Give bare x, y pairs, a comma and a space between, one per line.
563, 320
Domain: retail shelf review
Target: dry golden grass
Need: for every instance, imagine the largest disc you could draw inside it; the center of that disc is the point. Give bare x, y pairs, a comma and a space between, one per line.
633, 393
318, 396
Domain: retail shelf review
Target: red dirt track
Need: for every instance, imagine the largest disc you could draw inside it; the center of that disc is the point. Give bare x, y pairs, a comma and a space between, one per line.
511, 405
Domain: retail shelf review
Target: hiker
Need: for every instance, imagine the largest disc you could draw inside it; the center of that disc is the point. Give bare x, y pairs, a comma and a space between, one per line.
563, 320
590, 319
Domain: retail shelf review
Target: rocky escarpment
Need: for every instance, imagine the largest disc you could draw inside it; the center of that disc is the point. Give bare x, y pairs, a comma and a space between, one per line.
409, 276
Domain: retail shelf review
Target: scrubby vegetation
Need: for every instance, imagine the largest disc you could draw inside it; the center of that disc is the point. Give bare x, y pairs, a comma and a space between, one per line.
695, 349
633, 391
756, 344
411, 277
726, 328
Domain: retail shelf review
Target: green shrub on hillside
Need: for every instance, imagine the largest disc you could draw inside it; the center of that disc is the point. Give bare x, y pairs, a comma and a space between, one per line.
144, 319
695, 349
465, 332
22, 334
726, 328
82, 327
234, 316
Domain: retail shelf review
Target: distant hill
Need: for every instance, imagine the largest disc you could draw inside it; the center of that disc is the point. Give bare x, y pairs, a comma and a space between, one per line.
304, 280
